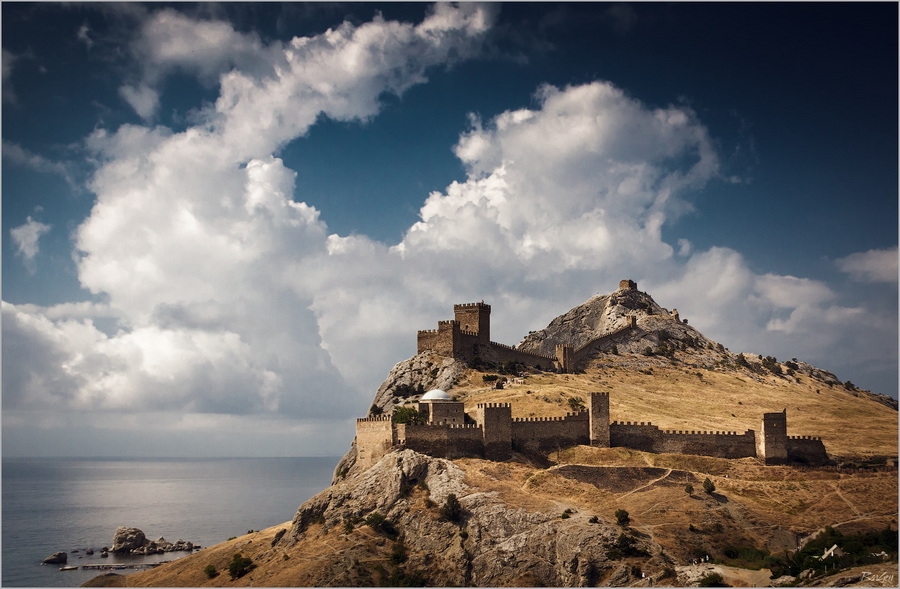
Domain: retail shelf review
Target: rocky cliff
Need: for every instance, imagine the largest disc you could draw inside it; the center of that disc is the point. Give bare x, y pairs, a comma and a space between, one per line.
491, 543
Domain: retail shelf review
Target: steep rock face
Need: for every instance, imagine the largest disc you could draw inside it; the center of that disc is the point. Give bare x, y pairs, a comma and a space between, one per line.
603, 314
404, 384
422, 372
493, 544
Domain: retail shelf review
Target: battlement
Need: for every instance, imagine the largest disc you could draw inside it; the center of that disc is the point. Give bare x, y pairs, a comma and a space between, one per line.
518, 351
568, 417
804, 438
467, 306
374, 418
486, 405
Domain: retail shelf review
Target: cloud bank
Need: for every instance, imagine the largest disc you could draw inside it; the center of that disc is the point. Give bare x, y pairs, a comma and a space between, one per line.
231, 297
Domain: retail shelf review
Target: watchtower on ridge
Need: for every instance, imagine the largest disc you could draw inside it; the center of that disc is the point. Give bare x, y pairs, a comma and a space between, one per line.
474, 318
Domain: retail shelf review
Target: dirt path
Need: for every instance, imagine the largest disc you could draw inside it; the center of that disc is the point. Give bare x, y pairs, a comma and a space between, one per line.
732, 575
644, 486
837, 491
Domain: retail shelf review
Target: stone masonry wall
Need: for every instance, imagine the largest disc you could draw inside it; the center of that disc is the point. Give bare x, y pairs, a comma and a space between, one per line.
442, 441
547, 433
806, 449
649, 438
374, 438
504, 353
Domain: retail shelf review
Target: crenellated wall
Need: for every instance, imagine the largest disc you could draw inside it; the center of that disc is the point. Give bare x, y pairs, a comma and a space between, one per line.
584, 352
649, 438
505, 353
808, 449
531, 434
443, 441
374, 438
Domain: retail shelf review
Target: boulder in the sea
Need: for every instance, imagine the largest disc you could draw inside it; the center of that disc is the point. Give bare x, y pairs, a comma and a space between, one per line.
127, 540
56, 558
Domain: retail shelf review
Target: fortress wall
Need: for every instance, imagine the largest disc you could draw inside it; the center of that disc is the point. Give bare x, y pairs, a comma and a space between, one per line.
806, 449
649, 438
639, 436
506, 353
547, 433
374, 438
718, 444
585, 351
442, 441
444, 340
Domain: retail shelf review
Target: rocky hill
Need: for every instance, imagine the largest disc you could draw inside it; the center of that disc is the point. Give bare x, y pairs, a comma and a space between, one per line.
555, 519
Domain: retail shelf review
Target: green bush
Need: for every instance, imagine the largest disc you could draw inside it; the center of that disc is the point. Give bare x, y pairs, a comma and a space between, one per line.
709, 486
689, 489
240, 566
381, 524
410, 415
622, 517
211, 571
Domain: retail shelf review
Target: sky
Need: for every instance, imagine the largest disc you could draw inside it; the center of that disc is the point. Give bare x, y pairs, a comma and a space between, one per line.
223, 224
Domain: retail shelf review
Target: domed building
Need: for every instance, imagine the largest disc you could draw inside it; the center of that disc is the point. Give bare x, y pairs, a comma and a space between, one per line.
441, 408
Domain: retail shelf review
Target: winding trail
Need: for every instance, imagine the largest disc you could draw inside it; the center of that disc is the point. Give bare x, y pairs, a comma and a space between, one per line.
648, 484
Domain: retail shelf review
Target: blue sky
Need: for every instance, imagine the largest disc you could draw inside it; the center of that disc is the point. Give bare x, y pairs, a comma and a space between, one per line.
223, 223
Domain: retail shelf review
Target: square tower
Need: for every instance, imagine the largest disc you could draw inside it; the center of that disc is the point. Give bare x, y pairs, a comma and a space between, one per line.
598, 419
495, 420
771, 447
474, 318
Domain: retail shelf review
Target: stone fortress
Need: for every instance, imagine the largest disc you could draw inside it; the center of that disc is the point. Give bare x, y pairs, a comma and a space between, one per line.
495, 434
468, 335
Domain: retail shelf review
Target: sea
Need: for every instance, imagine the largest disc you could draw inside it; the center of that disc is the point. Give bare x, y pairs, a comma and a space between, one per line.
75, 504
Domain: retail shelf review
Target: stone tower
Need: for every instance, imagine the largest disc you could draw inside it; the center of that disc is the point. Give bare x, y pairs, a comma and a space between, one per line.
495, 420
627, 285
598, 419
565, 358
771, 447
475, 318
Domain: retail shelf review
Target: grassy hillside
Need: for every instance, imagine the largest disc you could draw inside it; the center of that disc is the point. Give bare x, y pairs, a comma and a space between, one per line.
673, 394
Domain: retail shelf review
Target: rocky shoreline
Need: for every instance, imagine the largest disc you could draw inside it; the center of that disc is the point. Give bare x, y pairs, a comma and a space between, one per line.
129, 541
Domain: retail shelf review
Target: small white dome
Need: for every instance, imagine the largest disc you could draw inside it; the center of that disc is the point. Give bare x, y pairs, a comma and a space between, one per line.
436, 395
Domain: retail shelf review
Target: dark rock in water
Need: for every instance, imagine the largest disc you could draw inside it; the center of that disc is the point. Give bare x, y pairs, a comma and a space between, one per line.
127, 540
56, 558
89, 551
104, 555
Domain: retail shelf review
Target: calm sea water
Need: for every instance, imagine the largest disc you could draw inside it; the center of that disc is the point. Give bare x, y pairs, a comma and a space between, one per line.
52, 505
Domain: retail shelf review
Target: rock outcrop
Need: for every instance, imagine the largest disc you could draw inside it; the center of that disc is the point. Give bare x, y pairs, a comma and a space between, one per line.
133, 541
493, 543
126, 540
56, 558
